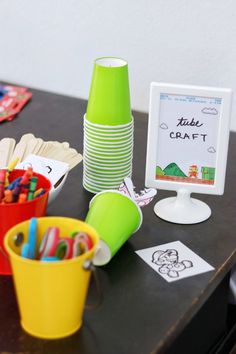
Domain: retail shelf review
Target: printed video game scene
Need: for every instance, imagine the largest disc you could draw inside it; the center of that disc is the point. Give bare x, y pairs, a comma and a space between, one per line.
187, 138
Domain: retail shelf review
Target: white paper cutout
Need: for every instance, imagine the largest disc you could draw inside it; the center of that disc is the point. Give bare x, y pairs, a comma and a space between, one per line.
174, 261
144, 198
52, 169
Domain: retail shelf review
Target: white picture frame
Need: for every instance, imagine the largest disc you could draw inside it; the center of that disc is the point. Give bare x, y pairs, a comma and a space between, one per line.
192, 97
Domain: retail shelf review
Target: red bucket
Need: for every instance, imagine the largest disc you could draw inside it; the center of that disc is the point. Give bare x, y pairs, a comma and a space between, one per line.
14, 213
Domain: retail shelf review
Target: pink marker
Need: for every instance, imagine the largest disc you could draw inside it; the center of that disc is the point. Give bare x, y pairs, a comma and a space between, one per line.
2, 183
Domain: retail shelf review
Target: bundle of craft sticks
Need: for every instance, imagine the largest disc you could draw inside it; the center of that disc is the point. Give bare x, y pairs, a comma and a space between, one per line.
29, 144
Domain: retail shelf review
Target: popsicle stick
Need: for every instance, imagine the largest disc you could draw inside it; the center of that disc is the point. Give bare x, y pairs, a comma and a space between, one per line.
48, 146
38, 146
75, 160
6, 147
19, 151
69, 153
60, 153
12, 145
26, 137
55, 147
65, 144
31, 144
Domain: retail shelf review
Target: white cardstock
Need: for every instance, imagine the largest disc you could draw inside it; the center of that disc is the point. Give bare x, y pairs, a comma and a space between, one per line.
174, 261
52, 169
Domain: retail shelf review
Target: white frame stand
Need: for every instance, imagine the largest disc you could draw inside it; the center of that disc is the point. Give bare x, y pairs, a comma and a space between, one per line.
182, 209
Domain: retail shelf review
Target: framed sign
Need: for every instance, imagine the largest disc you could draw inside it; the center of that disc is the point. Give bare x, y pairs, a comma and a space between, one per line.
188, 137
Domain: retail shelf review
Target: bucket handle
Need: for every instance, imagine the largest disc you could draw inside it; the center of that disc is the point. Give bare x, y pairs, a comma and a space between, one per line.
88, 265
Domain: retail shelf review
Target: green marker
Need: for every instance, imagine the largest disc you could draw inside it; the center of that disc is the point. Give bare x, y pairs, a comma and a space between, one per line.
32, 187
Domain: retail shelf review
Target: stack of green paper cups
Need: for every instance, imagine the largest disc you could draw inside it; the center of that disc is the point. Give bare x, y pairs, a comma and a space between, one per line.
108, 127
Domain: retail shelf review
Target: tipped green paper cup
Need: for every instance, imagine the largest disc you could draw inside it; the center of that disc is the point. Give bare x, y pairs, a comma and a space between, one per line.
109, 97
115, 217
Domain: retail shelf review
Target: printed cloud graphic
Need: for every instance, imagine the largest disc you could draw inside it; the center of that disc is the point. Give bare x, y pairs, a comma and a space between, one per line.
208, 110
211, 149
164, 126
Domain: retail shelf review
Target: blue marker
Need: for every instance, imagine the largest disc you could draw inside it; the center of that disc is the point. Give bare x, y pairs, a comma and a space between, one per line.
13, 184
28, 249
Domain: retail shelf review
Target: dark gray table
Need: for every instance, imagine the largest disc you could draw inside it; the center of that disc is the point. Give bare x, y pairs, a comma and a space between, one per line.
141, 313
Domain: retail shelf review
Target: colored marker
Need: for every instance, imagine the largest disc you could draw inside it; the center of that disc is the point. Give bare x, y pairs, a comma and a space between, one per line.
42, 193
38, 191
10, 168
32, 187
8, 197
16, 191
2, 183
22, 198
28, 249
13, 184
26, 177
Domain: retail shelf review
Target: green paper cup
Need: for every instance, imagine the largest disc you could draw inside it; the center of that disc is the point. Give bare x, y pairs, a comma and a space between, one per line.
109, 138
115, 217
105, 128
104, 182
107, 160
93, 188
107, 173
114, 166
109, 97
102, 158
108, 153
109, 131
109, 183
103, 187
105, 168
108, 148
110, 135
108, 144
90, 188
107, 177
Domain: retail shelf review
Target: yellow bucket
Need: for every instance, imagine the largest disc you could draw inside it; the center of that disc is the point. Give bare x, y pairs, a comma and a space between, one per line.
51, 295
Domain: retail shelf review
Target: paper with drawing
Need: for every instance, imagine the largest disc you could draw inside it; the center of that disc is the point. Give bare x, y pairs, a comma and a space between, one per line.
174, 261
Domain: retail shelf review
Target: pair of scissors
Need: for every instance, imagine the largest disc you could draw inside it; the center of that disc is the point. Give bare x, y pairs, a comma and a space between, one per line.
28, 249
49, 243
55, 248
65, 248
82, 243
